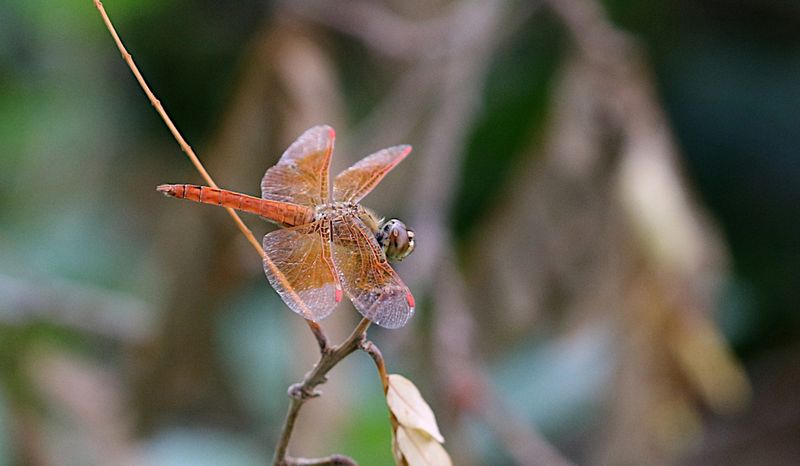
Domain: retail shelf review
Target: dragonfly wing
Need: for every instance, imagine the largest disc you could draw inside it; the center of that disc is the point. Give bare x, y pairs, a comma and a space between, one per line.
371, 283
301, 174
300, 268
357, 181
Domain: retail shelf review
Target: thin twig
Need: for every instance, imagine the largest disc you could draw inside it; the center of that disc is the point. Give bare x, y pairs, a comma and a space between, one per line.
329, 357
302, 391
322, 340
372, 349
333, 460
315, 327
175, 133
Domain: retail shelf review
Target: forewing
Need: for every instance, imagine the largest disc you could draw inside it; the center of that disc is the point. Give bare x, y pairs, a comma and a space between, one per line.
300, 268
371, 283
357, 181
301, 174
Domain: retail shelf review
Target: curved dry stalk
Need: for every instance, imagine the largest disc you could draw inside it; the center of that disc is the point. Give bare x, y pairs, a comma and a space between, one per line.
372, 349
173, 129
187, 149
305, 390
329, 356
333, 460
376, 355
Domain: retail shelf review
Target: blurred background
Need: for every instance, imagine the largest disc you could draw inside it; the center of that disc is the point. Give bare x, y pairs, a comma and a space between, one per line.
606, 197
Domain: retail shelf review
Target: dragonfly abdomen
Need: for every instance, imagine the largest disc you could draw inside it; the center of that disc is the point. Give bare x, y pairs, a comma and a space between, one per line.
282, 213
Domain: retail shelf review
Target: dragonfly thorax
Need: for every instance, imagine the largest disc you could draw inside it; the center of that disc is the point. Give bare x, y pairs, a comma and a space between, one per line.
394, 237
336, 209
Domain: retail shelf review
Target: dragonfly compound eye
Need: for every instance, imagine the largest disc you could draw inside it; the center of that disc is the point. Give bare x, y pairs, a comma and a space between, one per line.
396, 239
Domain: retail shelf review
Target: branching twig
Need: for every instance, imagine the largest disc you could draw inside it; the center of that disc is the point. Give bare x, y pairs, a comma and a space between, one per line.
322, 340
302, 391
329, 356
333, 460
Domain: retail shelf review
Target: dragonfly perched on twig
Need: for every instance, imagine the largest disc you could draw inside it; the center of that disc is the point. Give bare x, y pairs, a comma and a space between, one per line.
329, 242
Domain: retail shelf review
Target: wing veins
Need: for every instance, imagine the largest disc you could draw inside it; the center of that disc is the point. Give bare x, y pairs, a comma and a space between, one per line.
286, 285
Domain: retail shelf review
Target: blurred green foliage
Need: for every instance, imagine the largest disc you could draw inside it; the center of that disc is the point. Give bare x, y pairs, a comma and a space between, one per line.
82, 148
517, 97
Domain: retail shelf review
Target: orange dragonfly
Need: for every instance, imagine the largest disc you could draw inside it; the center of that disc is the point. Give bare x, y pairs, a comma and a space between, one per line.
329, 243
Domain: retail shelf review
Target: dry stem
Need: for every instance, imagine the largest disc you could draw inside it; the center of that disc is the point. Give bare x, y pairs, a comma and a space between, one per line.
333, 460
302, 391
175, 133
329, 357
372, 349
187, 149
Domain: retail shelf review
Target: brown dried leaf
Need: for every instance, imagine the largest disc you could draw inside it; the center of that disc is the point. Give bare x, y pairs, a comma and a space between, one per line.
419, 449
410, 409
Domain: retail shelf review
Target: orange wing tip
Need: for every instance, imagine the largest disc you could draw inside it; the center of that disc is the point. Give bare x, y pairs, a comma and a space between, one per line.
410, 300
338, 295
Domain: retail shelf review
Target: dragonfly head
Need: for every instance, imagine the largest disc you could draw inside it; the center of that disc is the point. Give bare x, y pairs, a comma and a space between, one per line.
396, 239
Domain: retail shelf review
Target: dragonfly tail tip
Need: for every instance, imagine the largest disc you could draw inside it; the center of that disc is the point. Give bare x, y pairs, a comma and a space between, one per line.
166, 189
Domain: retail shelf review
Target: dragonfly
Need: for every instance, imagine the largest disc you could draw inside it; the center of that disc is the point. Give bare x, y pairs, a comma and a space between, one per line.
328, 243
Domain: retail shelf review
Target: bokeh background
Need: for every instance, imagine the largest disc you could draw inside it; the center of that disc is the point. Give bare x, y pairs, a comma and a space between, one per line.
606, 196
